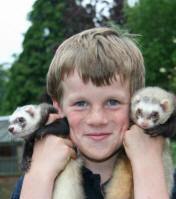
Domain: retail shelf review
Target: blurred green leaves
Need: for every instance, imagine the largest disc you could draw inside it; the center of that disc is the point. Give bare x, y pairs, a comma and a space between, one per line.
155, 21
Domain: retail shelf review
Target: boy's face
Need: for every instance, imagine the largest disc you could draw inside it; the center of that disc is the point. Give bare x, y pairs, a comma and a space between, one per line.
98, 116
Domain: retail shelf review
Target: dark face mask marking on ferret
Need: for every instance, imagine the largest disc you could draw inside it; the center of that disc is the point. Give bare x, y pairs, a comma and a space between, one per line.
21, 121
139, 113
154, 116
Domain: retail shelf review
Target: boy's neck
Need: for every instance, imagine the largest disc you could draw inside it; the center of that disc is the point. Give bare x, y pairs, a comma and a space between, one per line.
103, 168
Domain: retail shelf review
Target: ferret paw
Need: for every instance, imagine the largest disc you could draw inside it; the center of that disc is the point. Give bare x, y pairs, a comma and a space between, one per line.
152, 133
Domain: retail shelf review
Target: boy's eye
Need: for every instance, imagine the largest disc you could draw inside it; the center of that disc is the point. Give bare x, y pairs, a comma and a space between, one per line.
81, 104
112, 102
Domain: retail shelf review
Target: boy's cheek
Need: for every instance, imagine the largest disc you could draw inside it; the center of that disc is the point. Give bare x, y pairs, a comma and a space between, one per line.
74, 120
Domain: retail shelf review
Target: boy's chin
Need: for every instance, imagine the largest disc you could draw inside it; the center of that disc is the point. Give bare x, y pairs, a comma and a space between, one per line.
97, 157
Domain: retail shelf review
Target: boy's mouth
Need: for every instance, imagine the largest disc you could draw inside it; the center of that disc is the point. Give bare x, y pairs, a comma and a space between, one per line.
98, 136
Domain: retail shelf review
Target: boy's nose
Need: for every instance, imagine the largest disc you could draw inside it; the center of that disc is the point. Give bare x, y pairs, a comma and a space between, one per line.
97, 117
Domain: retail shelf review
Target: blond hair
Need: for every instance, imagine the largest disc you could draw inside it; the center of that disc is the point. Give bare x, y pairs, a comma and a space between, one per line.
99, 55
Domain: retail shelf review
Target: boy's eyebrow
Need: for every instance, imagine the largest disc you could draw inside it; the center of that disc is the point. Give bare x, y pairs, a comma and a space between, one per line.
121, 98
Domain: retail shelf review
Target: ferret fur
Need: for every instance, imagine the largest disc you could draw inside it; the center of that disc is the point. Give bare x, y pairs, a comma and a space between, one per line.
121, 184
29, 122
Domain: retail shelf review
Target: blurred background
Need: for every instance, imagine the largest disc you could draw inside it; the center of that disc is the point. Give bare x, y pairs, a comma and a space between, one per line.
31, 30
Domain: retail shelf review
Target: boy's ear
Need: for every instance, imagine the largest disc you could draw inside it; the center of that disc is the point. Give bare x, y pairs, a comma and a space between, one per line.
57, 105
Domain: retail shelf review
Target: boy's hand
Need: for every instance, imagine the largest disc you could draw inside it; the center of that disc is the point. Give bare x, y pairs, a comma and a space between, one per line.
146, 157
52, 153
140, 146
50, 156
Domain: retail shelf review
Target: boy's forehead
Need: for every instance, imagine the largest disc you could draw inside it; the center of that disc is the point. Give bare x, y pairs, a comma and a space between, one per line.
74, 81
76, 77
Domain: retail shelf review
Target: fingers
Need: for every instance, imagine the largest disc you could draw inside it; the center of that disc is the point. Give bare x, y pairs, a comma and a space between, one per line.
72, 153
137, 143
51, 154
133, 135
71, 148
56, 144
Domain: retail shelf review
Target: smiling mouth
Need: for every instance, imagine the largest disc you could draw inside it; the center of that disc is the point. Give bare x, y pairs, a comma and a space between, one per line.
98, 136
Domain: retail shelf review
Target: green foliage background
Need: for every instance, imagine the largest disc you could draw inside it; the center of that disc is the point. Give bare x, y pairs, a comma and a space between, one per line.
173, 149
155, 21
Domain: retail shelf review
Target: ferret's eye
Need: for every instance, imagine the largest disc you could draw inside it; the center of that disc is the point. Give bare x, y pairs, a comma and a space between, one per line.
154, 115
138, 113
21, 119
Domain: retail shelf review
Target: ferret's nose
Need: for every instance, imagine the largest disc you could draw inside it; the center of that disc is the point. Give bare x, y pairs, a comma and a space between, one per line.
145, 125
11, 129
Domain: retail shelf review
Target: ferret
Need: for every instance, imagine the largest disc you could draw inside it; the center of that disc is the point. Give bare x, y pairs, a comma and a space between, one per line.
154, 110
30, 123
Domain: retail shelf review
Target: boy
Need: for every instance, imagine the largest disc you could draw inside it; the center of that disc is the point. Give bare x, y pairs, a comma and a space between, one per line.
91, 80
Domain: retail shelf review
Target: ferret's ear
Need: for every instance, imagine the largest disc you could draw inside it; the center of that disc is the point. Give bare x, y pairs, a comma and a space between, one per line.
165, 105
30, 110
137, 98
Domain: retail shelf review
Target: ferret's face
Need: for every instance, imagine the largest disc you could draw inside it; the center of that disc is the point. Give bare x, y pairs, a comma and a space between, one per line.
147, 115
22, 123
